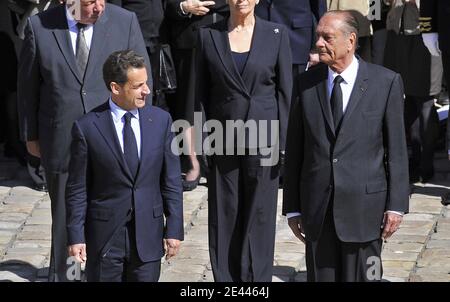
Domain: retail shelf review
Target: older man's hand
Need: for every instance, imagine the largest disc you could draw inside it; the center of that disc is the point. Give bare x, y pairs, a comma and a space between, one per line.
196, 7
391, 224
171, 246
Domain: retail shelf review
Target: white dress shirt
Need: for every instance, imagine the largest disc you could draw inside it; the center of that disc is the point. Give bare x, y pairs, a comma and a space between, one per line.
349, 75
73, 30
118, 116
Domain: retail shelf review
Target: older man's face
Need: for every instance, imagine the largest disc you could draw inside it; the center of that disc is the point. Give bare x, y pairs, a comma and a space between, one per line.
332, 44
90, 10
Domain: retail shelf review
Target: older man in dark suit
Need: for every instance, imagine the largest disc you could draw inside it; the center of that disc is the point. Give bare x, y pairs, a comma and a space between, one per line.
123, 177
346, 180
60, 80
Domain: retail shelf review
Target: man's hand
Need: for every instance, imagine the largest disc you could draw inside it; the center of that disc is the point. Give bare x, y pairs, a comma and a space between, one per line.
313, 59
391, 224
295, 223
196, 7
78, 251
432, 43
34, 148
171, 246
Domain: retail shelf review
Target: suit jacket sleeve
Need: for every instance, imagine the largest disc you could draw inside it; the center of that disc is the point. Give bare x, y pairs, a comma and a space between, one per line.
318, 8
428, 16
396, 151
136, 42
76, 196
173, 10
293, 161
201, 75
171, 189
28, 86
284, 85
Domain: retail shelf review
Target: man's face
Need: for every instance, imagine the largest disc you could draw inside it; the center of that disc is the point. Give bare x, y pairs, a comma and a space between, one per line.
333, 45
90, 10
132, 94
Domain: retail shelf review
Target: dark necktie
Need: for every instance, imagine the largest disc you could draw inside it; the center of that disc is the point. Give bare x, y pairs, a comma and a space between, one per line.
82, 51
337, 107
130, 149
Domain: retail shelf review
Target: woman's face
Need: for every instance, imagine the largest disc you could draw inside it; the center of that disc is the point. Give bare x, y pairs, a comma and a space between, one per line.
242, 7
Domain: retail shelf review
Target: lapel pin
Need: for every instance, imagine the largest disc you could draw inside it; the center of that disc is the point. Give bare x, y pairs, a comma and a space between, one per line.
150, 120
276, 30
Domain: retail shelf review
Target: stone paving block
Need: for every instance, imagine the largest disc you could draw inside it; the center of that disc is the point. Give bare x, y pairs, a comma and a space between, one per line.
399, 256
39, 220
404, 246
437, 252
23, 191
177, 277
33, 235
441, 235
418, 217
5, 239
17, 208
407, 238
13, 217
438, 244
32, 244
28, 251
430, 278
425, 224
12, 199
186, 261
42, 213
434, 262
185, 268
394, 272
10, 225
4, 190
421, 231
398, 265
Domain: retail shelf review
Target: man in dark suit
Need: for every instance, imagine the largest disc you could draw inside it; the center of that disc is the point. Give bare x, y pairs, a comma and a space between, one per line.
435, 27
123, 177
300, 17
59, 80
346, 180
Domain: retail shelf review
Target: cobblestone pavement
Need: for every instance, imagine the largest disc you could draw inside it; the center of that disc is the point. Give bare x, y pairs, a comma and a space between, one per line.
419, 251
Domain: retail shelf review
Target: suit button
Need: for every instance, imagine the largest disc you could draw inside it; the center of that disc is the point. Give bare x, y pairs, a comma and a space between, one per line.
83, 92
335, 160
331, 187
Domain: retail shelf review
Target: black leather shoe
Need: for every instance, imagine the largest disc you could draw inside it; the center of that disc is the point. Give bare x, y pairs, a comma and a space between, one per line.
41, 188
445, 199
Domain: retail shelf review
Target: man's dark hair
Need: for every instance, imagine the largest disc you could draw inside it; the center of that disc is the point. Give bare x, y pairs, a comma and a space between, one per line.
117, 64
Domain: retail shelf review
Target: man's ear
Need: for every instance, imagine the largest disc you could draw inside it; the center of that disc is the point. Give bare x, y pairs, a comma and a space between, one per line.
115, 88
352, 42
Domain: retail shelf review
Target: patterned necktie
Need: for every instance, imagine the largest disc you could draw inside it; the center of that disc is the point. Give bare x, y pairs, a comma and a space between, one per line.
82, 52
337, 106
130, 149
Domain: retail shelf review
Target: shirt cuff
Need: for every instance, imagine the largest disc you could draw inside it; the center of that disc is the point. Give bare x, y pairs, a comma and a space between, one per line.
396, 212
182, 10
293, 214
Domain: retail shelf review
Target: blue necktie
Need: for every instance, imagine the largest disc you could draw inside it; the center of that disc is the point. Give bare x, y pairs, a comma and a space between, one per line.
130, 149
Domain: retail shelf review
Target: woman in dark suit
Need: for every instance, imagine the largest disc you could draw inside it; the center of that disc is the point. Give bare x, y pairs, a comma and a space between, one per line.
243, 70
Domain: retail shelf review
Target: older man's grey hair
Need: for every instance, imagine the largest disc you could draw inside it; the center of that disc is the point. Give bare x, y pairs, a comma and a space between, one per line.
349, 22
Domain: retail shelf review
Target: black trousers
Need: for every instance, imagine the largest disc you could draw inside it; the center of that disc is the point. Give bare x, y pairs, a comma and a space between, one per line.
56, 183
330, 260
446, 65
422, 127
242, 201
121, 263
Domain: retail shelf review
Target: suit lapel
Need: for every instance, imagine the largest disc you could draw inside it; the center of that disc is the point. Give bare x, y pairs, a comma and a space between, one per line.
321, 90
222, 44
62, 37
148, 135
359, 89
258, 43
105, 126
99, 36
